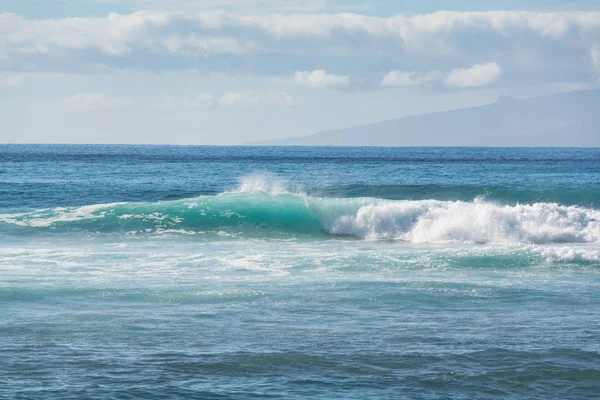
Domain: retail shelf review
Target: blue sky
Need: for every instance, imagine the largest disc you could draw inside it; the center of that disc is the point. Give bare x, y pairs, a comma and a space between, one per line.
230, 71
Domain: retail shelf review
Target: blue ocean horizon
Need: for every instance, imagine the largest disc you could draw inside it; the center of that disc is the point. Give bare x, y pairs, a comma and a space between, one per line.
175, 272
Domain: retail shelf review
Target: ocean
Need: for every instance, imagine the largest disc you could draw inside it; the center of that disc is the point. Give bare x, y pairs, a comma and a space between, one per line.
180, 272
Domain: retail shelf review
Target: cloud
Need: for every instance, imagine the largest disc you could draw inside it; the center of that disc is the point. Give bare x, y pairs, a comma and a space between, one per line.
95, 102
192, 44
255, 99
319, 78
207, 101
279, 43
10, 80
401, 78
119, 34
47, 37
476, 76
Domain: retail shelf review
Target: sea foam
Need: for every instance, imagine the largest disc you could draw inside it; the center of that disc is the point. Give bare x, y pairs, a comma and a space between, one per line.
432, 221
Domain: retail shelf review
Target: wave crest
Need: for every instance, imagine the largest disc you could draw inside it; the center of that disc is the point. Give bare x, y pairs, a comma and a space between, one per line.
433, 221
261, 183
259, 210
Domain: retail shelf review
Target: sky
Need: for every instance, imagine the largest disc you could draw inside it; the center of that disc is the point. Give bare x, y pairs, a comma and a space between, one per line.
233, 71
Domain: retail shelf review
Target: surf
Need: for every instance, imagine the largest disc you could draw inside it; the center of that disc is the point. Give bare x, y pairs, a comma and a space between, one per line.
263, 213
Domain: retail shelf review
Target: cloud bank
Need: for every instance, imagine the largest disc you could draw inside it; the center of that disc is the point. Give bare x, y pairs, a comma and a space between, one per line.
280, 44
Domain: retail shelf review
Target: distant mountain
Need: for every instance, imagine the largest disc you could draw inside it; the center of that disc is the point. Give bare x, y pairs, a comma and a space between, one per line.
565, 119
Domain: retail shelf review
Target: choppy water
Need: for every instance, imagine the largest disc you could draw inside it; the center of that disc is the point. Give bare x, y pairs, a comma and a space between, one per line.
164, 272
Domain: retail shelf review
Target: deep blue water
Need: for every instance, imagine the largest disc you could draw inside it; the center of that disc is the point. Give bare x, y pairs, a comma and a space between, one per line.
172, 272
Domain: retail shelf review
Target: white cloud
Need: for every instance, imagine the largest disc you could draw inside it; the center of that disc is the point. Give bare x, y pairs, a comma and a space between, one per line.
192, 44
118, 34
95, 102
477, 75
271, 43
46, 37
320, 78
10, 80
402, 78
206, 101
255, 99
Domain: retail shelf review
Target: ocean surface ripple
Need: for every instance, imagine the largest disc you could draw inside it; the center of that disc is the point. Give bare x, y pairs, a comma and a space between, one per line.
166, 272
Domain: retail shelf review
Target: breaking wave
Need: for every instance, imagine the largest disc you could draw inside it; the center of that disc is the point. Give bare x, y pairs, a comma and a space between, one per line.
260, 209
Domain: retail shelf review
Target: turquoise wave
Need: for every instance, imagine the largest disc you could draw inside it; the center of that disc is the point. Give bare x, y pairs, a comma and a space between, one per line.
277, 214
231, 213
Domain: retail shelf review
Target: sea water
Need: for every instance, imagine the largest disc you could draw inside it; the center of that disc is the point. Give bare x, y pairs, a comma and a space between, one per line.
165, 272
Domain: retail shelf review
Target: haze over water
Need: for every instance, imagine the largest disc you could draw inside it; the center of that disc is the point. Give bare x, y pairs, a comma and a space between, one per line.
269, 272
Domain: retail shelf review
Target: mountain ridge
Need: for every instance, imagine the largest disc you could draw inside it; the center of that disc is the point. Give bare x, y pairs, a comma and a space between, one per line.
568, 119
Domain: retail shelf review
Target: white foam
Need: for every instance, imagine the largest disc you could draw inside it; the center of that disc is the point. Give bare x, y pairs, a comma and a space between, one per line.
48, 217
261, 182
432, 221
569, 254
